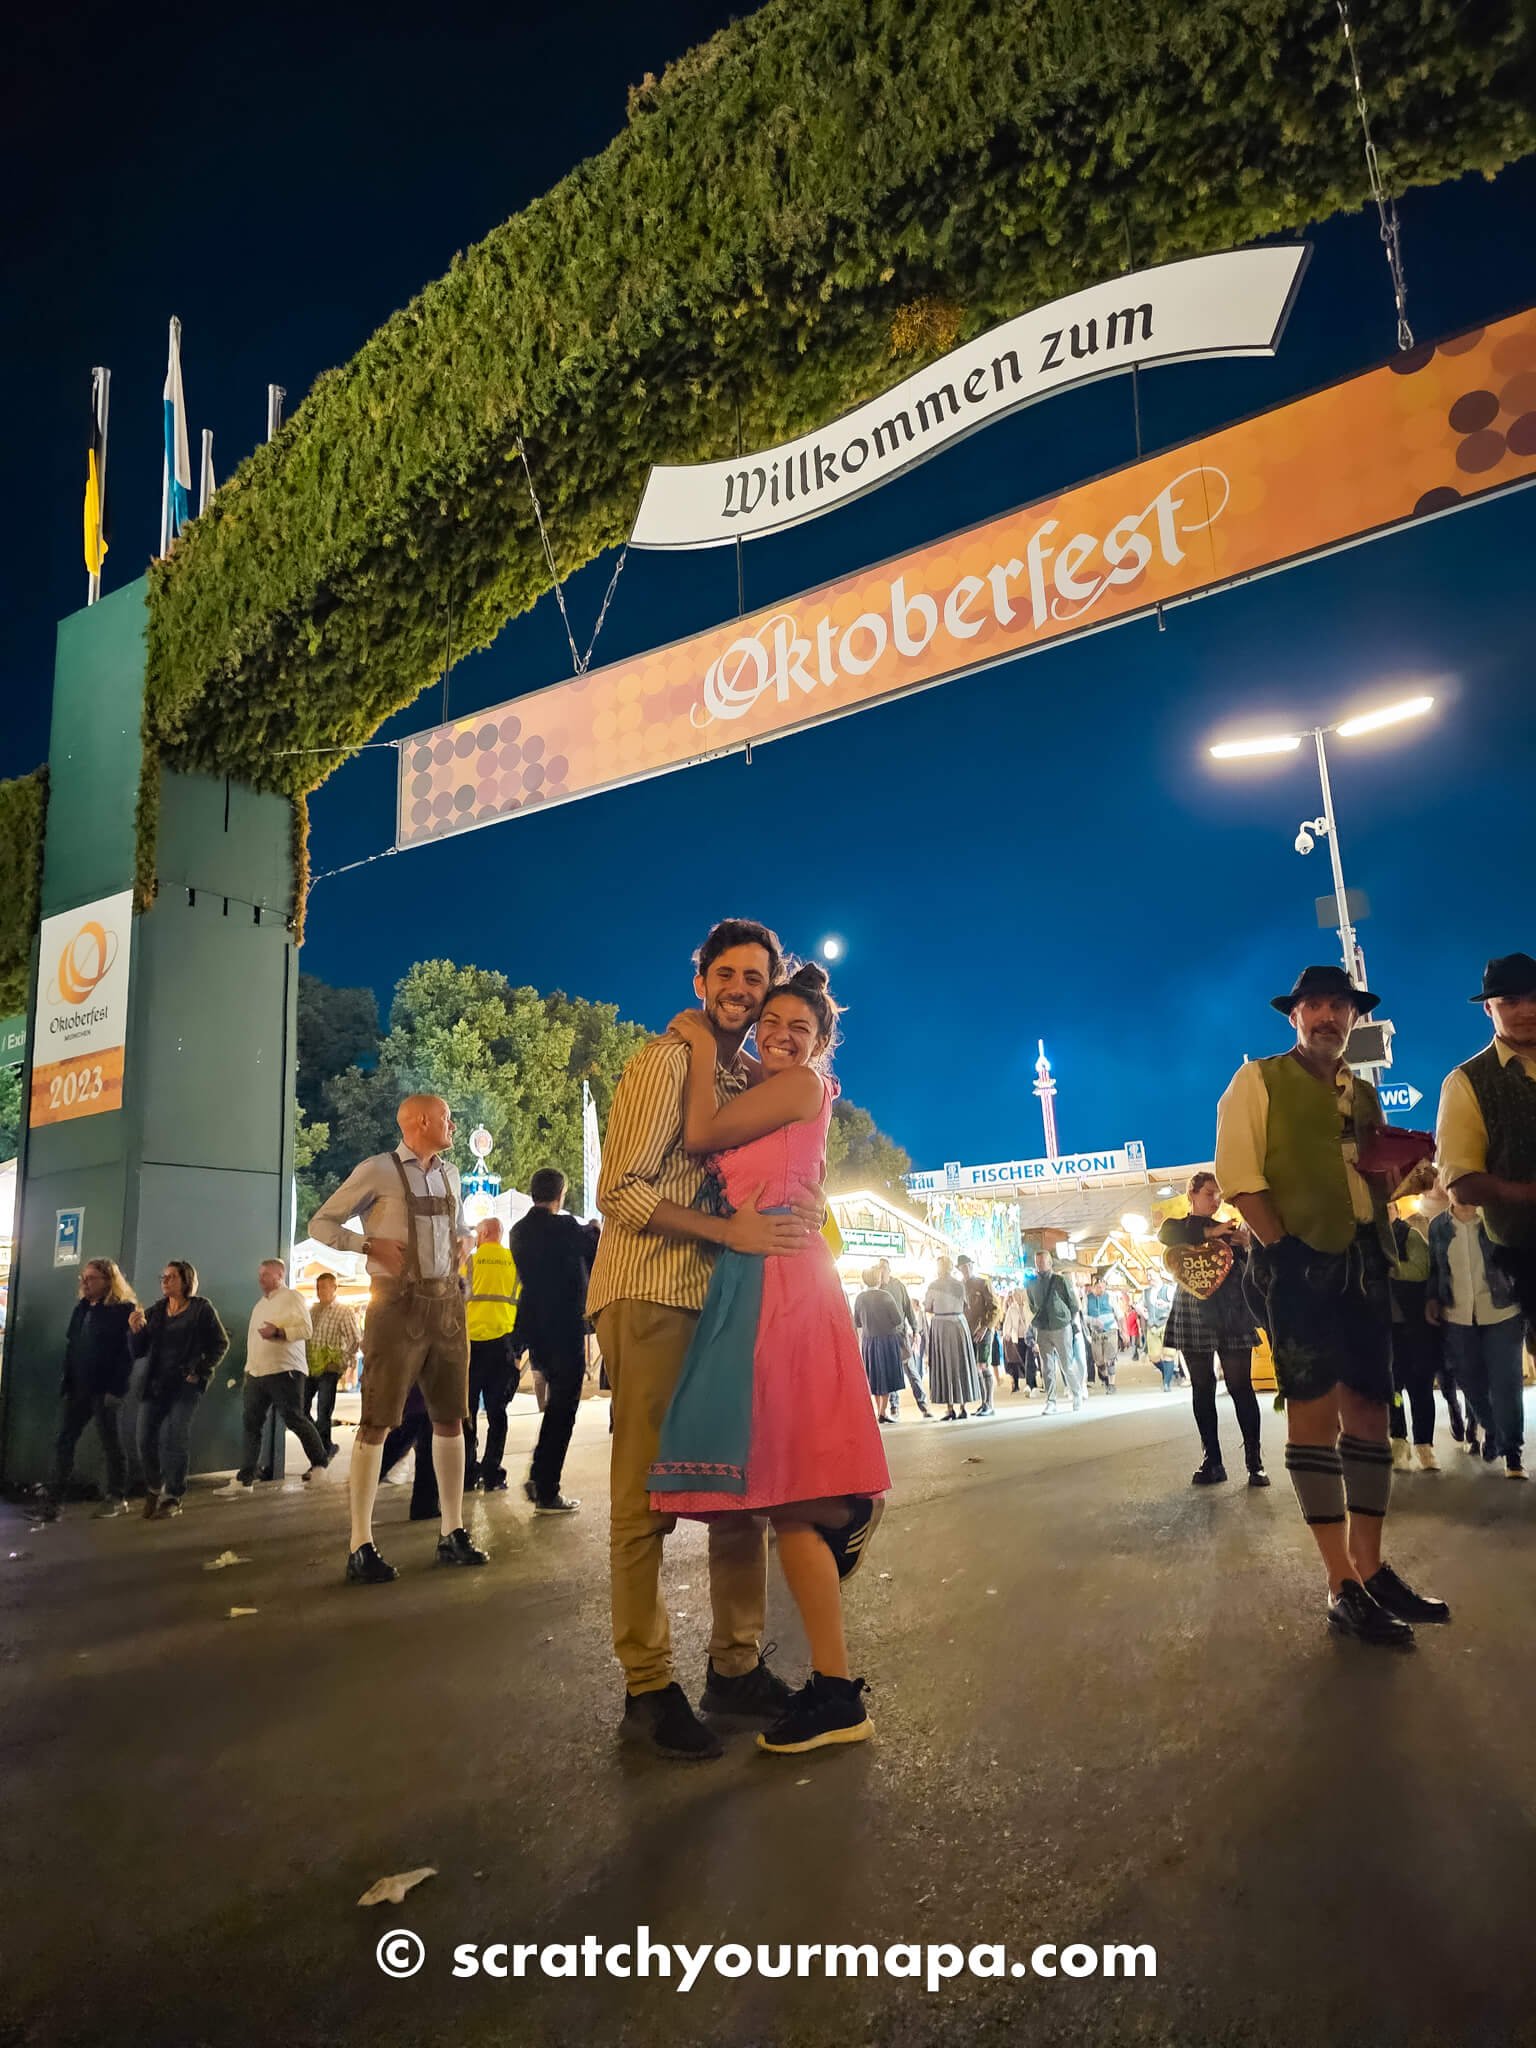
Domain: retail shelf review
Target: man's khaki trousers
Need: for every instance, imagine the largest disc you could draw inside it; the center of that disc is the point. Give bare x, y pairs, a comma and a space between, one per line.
643, 1346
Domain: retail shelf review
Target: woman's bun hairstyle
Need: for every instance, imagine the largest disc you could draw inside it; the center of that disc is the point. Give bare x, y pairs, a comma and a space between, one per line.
808, 980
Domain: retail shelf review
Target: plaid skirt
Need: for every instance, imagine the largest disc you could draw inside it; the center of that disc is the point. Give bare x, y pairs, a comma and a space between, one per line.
1224, 1322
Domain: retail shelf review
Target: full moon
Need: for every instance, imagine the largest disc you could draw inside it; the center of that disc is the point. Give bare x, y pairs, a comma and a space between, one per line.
831, 949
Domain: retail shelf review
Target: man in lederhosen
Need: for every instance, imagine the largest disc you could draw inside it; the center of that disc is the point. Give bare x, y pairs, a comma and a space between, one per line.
414, 1333
1290, 1134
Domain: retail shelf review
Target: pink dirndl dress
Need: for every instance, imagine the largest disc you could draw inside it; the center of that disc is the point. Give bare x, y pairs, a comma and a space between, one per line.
814, 1432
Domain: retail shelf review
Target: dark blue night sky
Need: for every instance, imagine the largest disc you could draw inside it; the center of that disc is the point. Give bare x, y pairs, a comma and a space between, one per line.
1040, 851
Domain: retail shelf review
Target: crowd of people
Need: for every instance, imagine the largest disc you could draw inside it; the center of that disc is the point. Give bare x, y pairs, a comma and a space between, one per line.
966, 1337
137, 1375
745, 1396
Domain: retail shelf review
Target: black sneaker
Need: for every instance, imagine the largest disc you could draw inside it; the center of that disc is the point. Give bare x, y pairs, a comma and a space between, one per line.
758, 1695
1257, 1476
562, 1504
850, 1543
170, 1506
666, 1723
1352, 1612
1514, 1465
1211, 1473
1490, 1450
457, 1549
823, 1712
365, 1567
1391, 1592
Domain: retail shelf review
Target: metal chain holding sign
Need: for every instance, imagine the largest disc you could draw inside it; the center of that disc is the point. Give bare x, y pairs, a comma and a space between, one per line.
1386, 206
580, 662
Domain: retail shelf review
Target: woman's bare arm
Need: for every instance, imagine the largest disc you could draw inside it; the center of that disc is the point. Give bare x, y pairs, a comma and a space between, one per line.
793, 1097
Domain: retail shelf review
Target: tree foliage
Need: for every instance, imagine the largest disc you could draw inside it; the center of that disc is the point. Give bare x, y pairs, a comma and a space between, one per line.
860, 1155
23, 806
505, 1057
10, 1112
309, 1143
338, 1028
775, 228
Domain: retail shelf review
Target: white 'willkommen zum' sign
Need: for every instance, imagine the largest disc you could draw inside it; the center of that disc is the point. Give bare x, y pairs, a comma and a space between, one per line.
1229, 305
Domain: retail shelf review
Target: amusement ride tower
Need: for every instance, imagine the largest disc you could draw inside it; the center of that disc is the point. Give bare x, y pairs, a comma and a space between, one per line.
1045, 1088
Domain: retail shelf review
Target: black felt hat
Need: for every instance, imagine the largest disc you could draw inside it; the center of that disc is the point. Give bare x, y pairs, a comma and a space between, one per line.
1511, 974
1324, 981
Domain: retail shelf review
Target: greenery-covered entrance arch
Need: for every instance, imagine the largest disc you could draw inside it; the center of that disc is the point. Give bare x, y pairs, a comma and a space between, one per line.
796, 214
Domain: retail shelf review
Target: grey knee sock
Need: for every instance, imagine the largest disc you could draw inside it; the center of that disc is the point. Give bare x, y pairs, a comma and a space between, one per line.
1367, 1474
1317, 1474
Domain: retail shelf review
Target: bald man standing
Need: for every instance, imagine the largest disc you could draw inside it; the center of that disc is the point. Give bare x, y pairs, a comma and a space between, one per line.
409, 1204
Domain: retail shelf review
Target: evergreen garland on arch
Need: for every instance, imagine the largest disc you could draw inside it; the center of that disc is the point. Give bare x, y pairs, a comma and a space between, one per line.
23, 809
780, 201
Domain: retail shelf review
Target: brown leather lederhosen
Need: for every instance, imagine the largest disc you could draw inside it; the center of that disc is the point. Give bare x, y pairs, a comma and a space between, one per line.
417, 1329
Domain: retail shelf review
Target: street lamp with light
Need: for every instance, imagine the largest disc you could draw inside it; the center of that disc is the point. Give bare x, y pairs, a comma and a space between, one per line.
1326, 827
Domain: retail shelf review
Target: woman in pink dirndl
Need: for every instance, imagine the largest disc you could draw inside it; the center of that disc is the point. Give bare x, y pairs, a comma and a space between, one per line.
771, 1413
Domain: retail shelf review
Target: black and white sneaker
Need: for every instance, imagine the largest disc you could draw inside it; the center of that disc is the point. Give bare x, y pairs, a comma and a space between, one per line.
758, 1695
458, 1549
562, 1504
365, 1567
666, 1723
824, 1711
850, 1543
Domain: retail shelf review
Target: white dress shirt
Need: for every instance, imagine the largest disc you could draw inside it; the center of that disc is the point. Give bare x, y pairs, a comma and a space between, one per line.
290, 1312
1471, 1303
372, 1193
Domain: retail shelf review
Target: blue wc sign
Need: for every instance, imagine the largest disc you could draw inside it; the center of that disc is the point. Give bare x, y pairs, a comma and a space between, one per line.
1400, 1096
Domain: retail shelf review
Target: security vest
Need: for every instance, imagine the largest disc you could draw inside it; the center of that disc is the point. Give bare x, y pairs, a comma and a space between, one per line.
491, 1305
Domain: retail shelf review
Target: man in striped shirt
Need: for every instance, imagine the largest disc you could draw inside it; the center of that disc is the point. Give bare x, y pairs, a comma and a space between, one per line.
647, 1288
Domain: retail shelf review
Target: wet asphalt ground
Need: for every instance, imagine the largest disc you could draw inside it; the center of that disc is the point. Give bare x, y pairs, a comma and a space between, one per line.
1108, 1711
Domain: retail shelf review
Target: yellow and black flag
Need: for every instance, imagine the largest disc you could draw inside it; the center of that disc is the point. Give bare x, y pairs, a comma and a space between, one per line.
96, 475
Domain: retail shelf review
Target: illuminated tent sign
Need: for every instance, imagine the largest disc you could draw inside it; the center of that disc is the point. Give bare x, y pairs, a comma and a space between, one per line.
1234, 304
1433, 430
1030, 1173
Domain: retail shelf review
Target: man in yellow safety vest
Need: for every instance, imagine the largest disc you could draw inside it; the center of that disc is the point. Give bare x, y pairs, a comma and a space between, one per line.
490, 1310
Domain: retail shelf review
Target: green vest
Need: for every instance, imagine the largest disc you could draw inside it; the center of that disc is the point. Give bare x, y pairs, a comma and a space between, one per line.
1304, 1158
1506, 1095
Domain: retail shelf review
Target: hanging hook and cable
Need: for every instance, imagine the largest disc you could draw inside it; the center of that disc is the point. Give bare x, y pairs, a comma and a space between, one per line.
579, 662
1386, 205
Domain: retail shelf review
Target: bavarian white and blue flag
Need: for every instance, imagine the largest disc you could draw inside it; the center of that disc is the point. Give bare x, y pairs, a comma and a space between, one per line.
178, 460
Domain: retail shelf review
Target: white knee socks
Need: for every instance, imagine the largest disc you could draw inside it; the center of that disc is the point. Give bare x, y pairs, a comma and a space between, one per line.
448, 1464
362, 1485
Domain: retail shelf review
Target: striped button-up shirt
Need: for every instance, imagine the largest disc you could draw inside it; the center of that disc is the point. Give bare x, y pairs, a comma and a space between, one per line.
373, 1194
644, 1163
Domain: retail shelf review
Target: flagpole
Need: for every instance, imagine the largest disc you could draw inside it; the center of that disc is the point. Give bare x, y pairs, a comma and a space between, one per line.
101, 392
205, 482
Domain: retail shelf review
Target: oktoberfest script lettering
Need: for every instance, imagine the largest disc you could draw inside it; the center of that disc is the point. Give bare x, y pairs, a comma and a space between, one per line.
1060, 577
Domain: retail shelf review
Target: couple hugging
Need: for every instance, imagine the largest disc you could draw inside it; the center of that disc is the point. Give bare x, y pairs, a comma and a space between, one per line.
739, 1396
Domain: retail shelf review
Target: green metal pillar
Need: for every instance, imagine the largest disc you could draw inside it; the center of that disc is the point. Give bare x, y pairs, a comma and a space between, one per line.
198, 1162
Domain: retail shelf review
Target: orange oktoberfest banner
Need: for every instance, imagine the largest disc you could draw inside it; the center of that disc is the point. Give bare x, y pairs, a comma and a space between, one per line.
1436, 428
